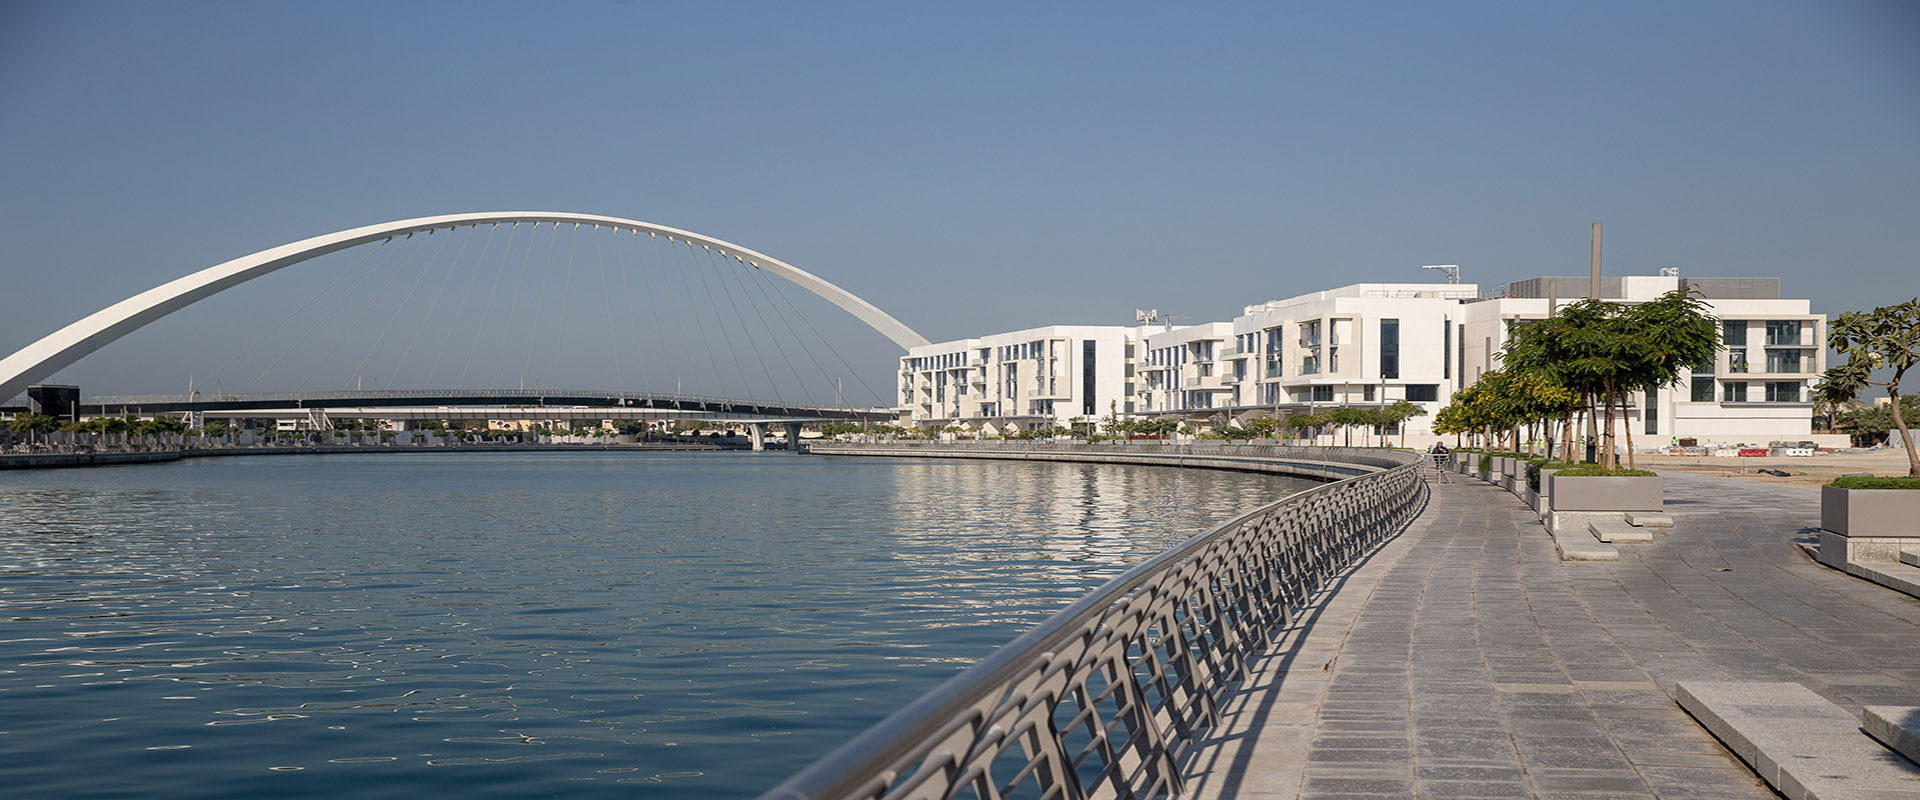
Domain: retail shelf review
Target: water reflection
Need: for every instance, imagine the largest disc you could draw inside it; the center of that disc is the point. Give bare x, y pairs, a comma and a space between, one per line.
509, 625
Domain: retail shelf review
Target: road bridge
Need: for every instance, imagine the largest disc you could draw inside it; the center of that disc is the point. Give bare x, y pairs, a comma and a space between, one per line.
715, 301
405, 406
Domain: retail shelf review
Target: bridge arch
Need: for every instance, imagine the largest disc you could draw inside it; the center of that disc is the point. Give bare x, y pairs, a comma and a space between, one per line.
52, 353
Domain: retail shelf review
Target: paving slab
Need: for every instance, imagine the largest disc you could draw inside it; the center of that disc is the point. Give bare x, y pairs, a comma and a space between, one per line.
1807, 747
1617, 530
1897, 727
1581, 546
1649, 520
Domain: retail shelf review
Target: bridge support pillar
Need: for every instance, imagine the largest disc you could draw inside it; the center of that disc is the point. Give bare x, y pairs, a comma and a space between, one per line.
757, 433
793, 437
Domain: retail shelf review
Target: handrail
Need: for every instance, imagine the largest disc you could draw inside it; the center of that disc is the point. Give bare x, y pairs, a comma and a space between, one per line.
1382, 458
401, 394
1105, 698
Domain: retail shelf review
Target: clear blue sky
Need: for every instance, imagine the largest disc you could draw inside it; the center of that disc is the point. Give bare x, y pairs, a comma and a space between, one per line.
969, 168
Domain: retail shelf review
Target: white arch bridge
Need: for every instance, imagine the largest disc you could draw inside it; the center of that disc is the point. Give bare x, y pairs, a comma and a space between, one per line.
40, 360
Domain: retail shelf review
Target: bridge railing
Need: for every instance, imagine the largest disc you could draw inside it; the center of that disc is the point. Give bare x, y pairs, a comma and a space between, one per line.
1107, 698
504, 395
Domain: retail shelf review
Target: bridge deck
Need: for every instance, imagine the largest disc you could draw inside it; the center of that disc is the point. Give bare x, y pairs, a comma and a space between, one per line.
1465, 660
521, 402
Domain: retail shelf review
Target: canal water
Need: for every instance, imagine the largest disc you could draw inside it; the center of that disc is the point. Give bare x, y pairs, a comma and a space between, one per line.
659, 625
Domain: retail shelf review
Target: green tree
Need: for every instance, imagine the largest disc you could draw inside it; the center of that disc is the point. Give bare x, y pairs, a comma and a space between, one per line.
1302, 423
1346, 418
1665, 336
1396, 416
1263, 427
1603, 350
34, 426
1887, 338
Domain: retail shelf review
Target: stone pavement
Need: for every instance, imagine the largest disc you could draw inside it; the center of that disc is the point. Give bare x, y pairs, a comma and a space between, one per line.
1463, 659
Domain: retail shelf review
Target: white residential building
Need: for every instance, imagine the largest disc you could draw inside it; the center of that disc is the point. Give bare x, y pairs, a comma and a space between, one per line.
1757, 390
1369, 344
1185, 369
1020, 379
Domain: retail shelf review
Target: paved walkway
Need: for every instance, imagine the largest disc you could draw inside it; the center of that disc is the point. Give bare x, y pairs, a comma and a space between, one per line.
1464, 659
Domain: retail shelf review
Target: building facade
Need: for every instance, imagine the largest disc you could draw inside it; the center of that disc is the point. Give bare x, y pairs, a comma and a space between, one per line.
1758, 389
1019, 380
1370, 344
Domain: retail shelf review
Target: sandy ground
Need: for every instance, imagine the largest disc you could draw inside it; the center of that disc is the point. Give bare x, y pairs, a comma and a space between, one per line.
1808, 471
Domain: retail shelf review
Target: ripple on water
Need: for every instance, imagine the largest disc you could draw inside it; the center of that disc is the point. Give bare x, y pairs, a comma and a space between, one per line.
510, 625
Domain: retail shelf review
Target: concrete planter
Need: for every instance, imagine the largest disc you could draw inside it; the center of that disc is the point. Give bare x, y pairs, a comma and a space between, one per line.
1877, 513
1605, 493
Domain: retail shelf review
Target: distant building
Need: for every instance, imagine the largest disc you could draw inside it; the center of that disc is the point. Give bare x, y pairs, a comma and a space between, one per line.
1368, 344
1019, 380
1758, 388
53, 400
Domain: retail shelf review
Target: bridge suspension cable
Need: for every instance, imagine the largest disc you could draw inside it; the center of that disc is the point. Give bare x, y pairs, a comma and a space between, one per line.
411, 274
655, 321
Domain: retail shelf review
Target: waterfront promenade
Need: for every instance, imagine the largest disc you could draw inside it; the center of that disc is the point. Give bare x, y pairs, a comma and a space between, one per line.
1464, 659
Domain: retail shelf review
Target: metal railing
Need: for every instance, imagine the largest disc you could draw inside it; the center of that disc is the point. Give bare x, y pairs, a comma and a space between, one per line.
1379, 458
1107, 698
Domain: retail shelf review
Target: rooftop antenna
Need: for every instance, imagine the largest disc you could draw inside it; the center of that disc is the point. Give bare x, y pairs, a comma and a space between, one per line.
1452, 271
1151, 316
1670, 272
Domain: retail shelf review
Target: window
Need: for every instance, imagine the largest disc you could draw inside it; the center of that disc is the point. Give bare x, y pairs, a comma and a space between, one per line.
1423, 392
1322, 394
1446, 350
1366, 394
1784, 332
1461, 354
1652, 412
1783, 392
1785, 362
1702, 390
1733, 393
1275, 351
1733, 333
1737, 360
1389, 350
1086, 378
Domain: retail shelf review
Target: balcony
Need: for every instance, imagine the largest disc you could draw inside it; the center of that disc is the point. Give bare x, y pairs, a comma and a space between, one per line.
1789, 340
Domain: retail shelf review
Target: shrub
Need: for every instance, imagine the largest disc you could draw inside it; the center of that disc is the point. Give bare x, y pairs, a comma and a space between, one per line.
1864, 482
1590, 471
